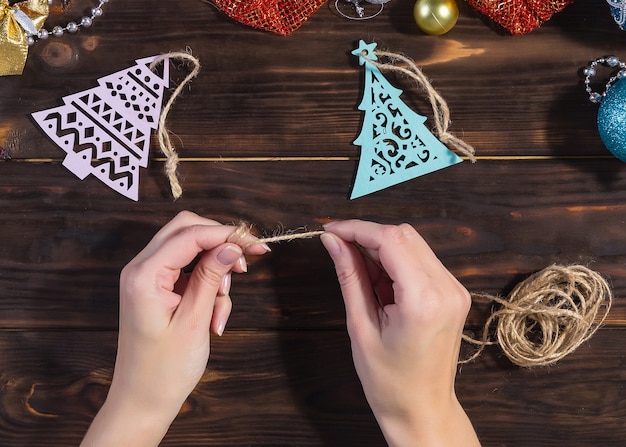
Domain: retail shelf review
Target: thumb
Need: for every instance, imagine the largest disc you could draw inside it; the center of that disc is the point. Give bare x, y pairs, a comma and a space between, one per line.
204, 283
355, 283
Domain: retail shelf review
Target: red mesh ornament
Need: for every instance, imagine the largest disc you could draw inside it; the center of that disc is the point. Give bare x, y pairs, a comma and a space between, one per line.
519, 16
278, 16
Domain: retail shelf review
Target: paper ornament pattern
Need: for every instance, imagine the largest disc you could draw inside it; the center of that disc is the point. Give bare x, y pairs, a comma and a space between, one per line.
618, 9
105, 131
395, 144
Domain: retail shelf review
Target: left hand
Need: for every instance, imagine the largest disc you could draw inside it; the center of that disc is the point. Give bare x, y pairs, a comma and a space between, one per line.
165, 320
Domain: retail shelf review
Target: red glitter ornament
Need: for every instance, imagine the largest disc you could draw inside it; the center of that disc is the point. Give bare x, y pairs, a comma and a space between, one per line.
519, 16
278, 16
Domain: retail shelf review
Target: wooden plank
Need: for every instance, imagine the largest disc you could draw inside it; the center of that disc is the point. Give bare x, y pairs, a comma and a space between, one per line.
64, 242
264, 95
577, 402
299, 388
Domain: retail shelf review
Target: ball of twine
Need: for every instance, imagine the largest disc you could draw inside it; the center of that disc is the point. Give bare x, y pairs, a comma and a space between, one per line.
547, 316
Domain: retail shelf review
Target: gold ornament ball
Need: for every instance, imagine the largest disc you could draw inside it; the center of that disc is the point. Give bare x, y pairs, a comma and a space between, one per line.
435, 16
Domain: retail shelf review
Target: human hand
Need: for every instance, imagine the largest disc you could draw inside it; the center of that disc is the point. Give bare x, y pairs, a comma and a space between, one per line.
165, 320
405, 314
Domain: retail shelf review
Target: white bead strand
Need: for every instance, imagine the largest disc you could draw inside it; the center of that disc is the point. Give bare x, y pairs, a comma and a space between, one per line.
590, 72
71, 27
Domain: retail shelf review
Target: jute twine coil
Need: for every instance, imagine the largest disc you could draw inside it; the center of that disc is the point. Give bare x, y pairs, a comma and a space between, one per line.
547, 316
165, 143
441, 112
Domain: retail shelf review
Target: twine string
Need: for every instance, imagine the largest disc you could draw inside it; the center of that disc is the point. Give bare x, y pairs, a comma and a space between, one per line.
165, 143
545, 317
441, 112
244, 229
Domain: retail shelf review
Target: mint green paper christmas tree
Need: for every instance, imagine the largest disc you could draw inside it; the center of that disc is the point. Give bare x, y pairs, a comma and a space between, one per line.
395, 144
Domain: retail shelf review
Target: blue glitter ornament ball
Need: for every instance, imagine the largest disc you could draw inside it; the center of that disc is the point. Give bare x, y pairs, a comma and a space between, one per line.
612, 119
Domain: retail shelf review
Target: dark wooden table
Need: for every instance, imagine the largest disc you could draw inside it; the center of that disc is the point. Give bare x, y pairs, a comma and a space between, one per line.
265, 134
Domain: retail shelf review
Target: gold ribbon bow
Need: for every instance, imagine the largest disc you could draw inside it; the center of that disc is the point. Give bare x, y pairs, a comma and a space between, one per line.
16, 22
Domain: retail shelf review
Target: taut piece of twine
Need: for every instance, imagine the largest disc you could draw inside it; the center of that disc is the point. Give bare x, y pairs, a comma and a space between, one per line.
243, 229
546, 317
168, 149
440, 108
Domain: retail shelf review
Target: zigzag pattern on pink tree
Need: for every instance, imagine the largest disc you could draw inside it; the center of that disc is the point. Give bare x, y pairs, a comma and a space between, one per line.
105, 131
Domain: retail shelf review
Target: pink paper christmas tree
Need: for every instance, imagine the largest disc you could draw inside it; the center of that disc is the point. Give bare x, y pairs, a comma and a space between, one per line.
105, 131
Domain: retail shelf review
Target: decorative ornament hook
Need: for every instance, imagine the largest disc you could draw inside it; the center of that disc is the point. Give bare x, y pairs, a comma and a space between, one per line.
612, 110
360, 10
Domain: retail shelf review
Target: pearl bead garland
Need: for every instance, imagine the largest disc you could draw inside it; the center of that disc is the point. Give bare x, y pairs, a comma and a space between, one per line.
590, 71
71, 27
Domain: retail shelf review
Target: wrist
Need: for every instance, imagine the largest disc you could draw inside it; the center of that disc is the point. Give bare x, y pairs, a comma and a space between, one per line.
122, 421
440, 424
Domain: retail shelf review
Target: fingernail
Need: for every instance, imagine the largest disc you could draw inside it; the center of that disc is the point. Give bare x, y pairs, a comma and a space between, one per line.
242, 264
225, 286
330, 243
329, 224
266, 247
220, 328
229, 255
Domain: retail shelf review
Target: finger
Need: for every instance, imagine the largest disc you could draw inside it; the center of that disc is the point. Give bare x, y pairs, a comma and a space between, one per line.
221, 313
365, 234
402, 252
224, 288
181, 220
182, 223
199, 298
356, 286
181, 248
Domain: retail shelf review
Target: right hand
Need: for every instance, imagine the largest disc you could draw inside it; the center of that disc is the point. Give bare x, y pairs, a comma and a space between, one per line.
405, 314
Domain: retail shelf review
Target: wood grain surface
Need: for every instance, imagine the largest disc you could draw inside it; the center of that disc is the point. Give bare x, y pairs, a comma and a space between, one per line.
265, 136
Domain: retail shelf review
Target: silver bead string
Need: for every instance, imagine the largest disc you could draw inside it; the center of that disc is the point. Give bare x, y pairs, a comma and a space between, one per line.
590, 72
71, 27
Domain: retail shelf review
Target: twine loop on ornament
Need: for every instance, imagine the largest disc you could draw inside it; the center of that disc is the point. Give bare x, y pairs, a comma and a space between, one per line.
440, 108
165, 143
547, 316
